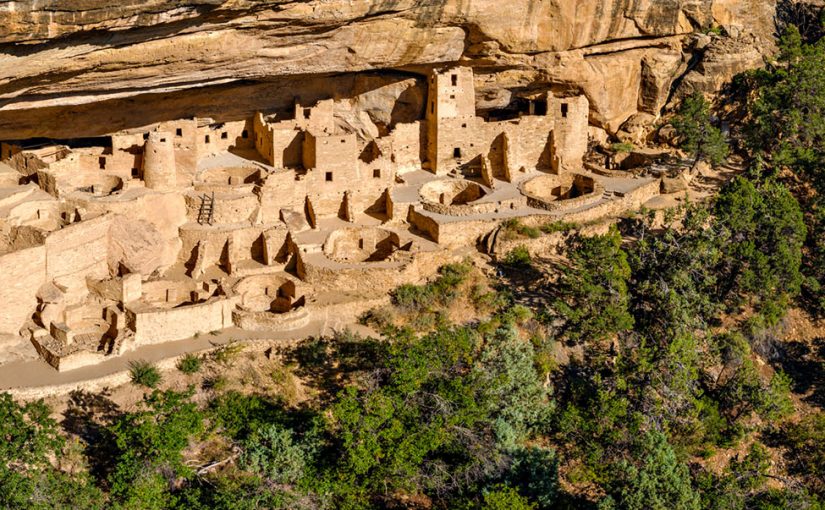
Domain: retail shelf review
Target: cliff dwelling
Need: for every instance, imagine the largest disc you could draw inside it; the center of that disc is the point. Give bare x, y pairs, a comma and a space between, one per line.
277, 221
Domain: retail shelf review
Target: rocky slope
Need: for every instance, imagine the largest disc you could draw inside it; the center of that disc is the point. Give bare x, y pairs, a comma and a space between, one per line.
73, 68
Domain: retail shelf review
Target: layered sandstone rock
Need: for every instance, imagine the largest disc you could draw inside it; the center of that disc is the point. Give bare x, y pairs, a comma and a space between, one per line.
88, 67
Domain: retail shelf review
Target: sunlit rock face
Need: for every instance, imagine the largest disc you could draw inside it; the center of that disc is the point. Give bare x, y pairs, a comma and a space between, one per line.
88, 67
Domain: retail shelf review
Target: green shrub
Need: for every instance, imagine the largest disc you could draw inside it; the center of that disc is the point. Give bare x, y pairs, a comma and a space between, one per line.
216, 383
226, 354
518, 257
143, 373
713, 29
149, 449
593, 289
239, 415
514, 228
272, 452
622, 147
557, 226
506, 498
189, 364
484, 301
440, 292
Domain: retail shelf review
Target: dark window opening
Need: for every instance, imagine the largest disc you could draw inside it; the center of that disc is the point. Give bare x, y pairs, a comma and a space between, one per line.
163, 140
135, 173
432, 107
245, 134
329, 176
224, 135
102, 163
457, 152
452, 96
376, 173
464, 125
179, 132
564, 109
206, 139
540, 108
307, 112
145, 136
455, 79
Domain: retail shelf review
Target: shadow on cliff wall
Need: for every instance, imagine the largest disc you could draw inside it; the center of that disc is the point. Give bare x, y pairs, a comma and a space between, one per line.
222, 103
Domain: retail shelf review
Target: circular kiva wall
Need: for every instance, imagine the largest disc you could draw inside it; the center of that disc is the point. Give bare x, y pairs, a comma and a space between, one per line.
269, 303
268, 293
455, 197
96, 184
361, 245
551, 192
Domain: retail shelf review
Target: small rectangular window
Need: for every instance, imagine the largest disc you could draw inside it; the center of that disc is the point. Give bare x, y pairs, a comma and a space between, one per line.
452, 96
245, 134
224, 135
564, 109
457, 152
206, 139
376, 173
307, 112
101, 163
179, 132
329, 177
455, 80
343, 140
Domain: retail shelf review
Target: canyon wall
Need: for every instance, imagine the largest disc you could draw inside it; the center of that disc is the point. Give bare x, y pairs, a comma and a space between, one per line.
87, 67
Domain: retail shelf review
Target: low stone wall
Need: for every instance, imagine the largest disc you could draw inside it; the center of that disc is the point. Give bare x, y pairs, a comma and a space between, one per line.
340, 315
424, 223
617, 206
76, 360
452, 234
153, 325
465, 233
606, 172
371, 278
359, 245
473, 208
268, 321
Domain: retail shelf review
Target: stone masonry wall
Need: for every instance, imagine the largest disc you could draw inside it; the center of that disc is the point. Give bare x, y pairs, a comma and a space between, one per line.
24, 272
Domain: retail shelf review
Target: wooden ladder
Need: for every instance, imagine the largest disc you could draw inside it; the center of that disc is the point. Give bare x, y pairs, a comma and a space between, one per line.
207, 209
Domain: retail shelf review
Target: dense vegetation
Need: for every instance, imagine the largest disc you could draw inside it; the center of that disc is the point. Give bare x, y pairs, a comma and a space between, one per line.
646, 374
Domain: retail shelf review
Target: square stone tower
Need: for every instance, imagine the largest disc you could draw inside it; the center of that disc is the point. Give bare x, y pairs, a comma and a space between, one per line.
451, 118
569, 139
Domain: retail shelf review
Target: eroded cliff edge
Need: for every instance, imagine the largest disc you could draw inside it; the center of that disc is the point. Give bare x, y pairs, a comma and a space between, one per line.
71, 68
